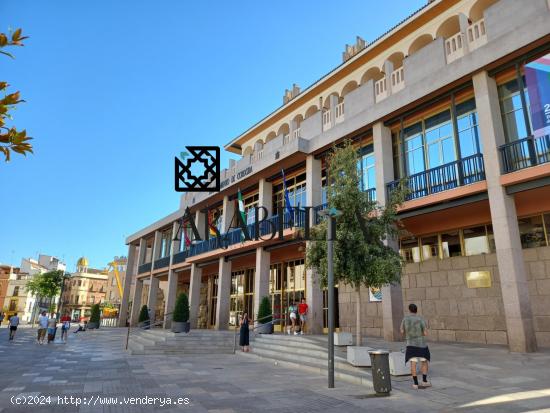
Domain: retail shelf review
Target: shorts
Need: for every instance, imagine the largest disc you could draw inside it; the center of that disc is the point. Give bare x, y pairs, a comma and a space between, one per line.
51, 330
41, 333
303, 318
13, 328
293, 315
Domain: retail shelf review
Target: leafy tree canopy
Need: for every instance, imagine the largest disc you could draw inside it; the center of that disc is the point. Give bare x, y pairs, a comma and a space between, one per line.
47, 284
361, 255
10, 138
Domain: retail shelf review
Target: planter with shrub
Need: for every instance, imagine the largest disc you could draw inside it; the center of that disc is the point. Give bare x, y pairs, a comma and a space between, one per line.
143, 320
265, 325
94, 317
180, 318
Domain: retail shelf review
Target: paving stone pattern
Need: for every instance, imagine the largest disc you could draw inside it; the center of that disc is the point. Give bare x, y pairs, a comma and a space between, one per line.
93, 364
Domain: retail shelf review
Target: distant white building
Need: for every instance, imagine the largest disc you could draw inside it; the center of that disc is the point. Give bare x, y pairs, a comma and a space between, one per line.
18, 299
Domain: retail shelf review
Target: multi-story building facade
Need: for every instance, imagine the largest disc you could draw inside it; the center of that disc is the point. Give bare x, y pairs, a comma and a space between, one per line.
5, 273
439, 101
82, 289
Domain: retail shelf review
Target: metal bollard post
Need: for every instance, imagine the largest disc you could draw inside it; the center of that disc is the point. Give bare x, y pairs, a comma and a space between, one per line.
380, 367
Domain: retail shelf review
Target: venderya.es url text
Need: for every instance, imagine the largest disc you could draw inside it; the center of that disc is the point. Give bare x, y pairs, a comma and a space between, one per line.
99, 400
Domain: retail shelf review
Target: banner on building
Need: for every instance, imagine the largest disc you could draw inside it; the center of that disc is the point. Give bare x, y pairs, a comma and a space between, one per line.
537, 75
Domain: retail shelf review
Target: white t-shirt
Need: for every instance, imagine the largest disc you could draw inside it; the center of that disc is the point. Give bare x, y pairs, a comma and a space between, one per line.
43, 321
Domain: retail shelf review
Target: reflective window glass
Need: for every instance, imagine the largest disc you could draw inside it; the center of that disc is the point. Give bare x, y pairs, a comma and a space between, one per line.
531, 231
450, 244
410, 251
475, 241
430, 247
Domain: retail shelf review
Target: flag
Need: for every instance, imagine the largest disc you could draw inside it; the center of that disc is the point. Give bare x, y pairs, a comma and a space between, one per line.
287, 199
241, 210
187, 239
212, 222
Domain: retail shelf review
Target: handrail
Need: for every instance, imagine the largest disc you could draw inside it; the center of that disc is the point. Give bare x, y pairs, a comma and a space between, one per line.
146, 326
283, 317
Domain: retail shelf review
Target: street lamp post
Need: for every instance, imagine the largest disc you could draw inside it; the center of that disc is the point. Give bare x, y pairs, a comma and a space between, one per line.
331, 215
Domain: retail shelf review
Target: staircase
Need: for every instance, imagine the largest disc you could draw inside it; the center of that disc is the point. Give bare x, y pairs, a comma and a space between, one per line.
306, 353
159, 341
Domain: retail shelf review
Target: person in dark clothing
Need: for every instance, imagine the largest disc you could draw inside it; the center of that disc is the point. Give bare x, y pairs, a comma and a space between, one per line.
244, 333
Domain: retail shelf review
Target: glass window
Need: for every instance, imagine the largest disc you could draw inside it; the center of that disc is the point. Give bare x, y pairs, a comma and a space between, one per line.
531, 231
440, 140
410, 251
450, 244
430, 247
414, 149
468, 133
513, 118
369, 171
475, 241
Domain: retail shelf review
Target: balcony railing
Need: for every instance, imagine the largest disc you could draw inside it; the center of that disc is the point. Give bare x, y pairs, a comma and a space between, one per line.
339, 112
477, 36
327, 124
397, 80
454, 47
381, 89
162, 262
296, 133
179, 257
144, 268
525, 153
442, 178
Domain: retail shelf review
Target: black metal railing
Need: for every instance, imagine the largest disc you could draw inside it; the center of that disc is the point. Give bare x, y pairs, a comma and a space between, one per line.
442, 178
162, 262
144, 268
371, 194
179, 257
525, 153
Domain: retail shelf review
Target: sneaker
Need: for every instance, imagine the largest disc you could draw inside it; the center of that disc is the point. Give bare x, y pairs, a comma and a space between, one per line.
426, 384
302, 333
415, 386
295, 333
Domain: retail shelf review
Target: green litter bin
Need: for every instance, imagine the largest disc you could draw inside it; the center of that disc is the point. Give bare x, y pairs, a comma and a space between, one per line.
380, 367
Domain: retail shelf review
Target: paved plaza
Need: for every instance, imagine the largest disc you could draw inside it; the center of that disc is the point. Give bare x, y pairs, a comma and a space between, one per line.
94, 367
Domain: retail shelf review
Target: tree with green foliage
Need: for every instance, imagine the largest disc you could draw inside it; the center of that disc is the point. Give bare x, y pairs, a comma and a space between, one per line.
264, 312
95, 315
181, 309
362, 256
143, 314
10, 138
46, 285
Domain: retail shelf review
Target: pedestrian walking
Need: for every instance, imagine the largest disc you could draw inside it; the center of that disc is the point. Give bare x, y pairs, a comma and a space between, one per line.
244, 339
293, 314
413, 327
303, 311
42, 327
14, 322
65, 326
1, 318
52, 327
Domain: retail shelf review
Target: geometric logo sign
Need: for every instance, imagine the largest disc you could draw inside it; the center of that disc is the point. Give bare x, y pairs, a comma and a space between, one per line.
198, 170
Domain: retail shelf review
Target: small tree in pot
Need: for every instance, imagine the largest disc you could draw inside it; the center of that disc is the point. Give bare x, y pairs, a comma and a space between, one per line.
265, 325
143, 320
94, 317
180, 318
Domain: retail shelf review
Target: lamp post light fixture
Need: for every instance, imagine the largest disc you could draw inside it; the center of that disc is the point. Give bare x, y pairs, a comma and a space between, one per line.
331, 214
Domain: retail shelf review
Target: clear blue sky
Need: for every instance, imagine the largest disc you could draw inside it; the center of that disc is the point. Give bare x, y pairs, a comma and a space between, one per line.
115, 89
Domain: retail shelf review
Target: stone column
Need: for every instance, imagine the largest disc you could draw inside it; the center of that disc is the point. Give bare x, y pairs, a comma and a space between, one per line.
156, 249
194, 294
200, 222
224, 291
265, 195
388, 70
261, 278
172, 287
130, 274
464, 24
333, 102
314, 292
152, 297
314, 300
392, 295
136, 303
228, 212
511, 268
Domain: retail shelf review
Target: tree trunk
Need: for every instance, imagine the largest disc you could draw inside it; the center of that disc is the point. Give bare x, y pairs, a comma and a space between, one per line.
358, 316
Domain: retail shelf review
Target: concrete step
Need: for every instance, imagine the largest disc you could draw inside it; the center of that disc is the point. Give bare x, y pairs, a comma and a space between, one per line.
282, 348
290, 342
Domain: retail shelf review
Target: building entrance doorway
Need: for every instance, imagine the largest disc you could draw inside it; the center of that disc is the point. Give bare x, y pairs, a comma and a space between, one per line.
287, 285
212, 299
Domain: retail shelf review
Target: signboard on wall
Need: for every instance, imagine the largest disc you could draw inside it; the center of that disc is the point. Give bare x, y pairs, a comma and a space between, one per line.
537, 75
375, 294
